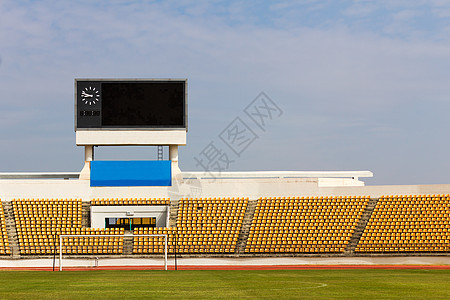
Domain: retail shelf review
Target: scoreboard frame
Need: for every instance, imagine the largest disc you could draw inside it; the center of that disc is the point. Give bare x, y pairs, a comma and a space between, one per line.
98, 134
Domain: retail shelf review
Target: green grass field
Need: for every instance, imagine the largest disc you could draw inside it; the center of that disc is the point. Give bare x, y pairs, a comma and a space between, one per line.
274, 284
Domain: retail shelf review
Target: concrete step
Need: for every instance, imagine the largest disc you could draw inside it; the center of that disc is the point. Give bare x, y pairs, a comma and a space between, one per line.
350, 249
128, 245
245, 228
86, 215
11, 229
173, 215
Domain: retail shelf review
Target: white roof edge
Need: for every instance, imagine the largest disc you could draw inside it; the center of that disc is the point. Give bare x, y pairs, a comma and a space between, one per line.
206, 175
280, 174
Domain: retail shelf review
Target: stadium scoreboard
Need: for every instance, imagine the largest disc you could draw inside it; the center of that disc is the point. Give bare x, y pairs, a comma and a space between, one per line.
130, 111
129, 104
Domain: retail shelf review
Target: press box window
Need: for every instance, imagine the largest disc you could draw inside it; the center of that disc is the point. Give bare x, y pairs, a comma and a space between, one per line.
130, 223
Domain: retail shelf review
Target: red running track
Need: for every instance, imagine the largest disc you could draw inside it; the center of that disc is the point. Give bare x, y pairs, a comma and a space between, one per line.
244, 267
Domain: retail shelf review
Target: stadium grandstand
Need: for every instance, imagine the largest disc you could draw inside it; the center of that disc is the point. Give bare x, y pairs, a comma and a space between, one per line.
319, 226
132, 212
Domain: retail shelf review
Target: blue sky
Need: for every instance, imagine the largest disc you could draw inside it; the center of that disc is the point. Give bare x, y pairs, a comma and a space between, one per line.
363, 85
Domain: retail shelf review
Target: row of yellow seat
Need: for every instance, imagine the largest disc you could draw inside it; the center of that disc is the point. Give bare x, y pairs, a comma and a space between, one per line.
313, 198
338, 234
130, 201
40, 222
415, 223
203, 243
204, 225
212, 225
219, 212
222, 200
415, 248
73, 250
100, 244
293, 249
299, 211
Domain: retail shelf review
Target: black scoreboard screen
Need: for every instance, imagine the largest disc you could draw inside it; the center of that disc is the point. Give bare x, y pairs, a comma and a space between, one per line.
130, 104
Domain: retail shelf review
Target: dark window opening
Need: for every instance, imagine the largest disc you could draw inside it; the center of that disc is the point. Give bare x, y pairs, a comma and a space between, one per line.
130, 223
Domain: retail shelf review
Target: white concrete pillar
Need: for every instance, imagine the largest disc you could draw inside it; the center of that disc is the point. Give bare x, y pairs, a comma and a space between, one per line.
85, 174
173, 157
88, 153
173, 153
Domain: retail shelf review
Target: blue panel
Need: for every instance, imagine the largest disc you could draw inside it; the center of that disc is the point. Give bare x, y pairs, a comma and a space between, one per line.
131, 173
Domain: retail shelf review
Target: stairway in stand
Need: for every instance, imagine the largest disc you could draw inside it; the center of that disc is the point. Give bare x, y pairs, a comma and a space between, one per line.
246, 224
350, 249
11, 229
86, 214
128, 243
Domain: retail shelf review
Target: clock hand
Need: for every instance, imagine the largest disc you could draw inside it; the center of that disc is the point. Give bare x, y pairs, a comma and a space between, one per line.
86, 95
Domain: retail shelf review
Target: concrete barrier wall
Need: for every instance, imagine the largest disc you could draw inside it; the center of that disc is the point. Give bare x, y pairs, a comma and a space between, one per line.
205, 261
251, 188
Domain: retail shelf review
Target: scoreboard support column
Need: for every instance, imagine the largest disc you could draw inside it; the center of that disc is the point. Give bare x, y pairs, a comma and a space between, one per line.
131, 112
173, 157
85, 174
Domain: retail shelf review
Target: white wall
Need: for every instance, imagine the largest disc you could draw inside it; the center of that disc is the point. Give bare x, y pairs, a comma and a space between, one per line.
251, 188
100, 213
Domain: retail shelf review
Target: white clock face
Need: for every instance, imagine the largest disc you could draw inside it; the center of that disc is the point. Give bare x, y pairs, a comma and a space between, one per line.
90, 95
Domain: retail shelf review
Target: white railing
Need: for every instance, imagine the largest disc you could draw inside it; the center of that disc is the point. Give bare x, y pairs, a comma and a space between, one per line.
39, 175
277, 174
